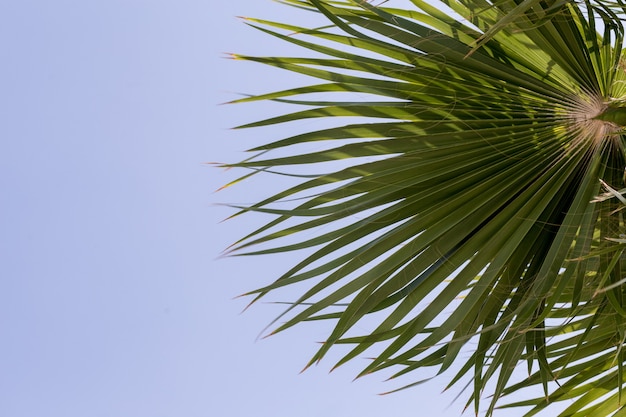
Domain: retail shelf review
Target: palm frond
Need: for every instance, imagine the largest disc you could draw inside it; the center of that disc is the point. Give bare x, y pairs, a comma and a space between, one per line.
477, 219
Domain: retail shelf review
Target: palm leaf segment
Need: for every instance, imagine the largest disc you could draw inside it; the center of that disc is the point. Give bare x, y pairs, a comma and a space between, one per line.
471, 217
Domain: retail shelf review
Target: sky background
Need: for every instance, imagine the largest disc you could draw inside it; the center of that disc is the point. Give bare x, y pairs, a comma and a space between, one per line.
112, 300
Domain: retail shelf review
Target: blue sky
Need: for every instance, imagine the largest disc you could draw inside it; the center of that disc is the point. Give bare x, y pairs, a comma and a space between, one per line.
112, 300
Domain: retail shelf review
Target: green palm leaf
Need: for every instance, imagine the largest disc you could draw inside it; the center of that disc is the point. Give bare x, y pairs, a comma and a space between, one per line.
484, 142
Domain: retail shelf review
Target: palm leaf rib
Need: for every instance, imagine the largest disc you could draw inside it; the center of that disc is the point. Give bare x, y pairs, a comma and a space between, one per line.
485, 129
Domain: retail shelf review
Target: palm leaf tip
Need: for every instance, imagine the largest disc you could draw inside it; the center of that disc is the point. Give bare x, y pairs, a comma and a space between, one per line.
461, 228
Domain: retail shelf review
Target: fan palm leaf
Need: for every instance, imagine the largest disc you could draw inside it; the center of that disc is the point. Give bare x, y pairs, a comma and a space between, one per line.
464, 207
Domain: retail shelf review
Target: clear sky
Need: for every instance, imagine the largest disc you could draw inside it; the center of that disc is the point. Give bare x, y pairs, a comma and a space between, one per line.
112, 302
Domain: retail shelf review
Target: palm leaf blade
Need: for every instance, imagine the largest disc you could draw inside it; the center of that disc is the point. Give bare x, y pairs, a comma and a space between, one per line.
478, 192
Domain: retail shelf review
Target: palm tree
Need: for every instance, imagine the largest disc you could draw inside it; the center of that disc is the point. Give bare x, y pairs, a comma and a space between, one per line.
467, 208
